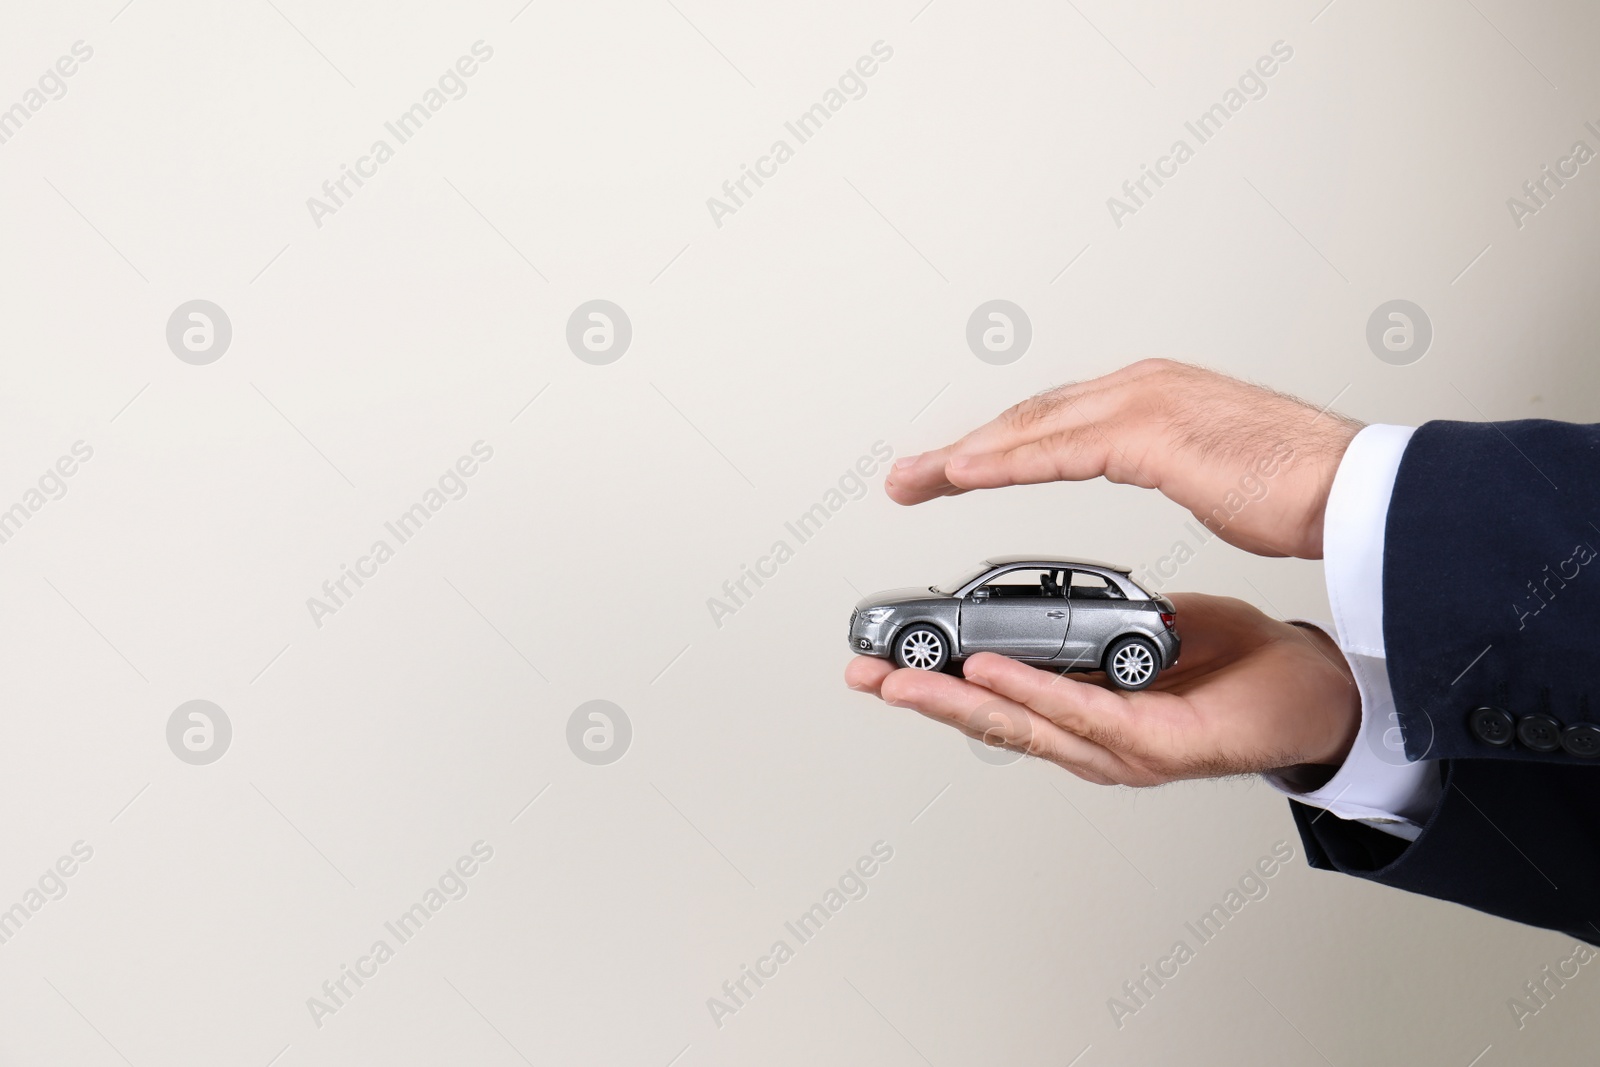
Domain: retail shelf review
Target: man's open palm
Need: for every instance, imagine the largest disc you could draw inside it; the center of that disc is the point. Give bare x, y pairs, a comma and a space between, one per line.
1248, 694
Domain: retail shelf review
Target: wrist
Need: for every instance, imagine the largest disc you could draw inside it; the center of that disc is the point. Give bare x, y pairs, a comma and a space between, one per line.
1335, 701
1326, 452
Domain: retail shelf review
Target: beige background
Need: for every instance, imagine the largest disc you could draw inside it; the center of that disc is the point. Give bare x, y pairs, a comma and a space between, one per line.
768, 354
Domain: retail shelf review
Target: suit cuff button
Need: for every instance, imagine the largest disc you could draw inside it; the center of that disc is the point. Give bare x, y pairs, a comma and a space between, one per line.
1493, 726
1540, 733
1582, 739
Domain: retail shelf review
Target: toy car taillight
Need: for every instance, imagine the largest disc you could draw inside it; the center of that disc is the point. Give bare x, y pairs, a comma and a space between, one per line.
1169, 619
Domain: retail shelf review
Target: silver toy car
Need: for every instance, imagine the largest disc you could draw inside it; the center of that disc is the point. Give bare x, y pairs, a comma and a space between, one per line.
1072, 614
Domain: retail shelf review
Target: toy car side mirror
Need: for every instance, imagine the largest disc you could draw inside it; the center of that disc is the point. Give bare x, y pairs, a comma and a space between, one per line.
980, 594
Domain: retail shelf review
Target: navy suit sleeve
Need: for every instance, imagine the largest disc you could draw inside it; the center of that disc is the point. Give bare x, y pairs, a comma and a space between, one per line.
1491, 605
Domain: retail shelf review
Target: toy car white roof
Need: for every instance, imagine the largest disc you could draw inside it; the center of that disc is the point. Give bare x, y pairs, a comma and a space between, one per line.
1061, 561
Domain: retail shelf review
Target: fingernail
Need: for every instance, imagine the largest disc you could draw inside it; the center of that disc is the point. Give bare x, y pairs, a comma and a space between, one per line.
906, 461
857, 688
957, 462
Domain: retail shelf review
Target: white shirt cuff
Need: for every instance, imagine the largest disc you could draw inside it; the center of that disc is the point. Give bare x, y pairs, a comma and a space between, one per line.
1376, 785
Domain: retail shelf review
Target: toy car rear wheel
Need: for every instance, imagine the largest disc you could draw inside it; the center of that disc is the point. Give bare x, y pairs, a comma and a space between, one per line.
922, 648
1132, 663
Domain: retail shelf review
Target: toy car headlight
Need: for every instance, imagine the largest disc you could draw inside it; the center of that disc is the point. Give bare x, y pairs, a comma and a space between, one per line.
876, 614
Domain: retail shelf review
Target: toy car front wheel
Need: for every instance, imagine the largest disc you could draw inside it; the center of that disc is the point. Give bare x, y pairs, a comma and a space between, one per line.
1131, 663
922, 648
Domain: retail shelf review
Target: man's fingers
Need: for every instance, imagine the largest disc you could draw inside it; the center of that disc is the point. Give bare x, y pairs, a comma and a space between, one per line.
972, 710
1070, 433
935, 694
1069, 456
1069, 406
866, 673
914, 479
981, 714
1087, 710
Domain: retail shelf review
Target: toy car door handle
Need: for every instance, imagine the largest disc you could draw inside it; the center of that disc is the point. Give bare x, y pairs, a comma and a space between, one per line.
1052, 614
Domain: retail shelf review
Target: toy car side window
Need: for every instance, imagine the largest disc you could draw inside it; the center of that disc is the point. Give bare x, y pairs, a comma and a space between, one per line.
1024, 583
1089, 586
